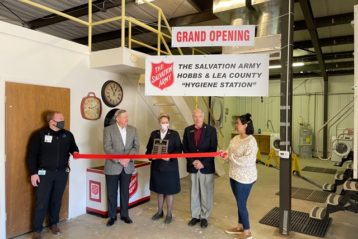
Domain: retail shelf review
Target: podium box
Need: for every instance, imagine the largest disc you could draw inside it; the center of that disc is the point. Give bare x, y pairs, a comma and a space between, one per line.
97, 192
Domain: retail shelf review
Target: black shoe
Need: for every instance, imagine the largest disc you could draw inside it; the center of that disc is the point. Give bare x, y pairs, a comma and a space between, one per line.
157, 216
168, 219
111, 221
203, 223
127, 220
193, 222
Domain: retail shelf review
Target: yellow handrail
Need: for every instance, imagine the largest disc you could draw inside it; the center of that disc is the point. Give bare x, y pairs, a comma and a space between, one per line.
161, 36
108, 20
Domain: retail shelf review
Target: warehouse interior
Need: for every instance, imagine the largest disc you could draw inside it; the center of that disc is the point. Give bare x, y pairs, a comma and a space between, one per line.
49, 44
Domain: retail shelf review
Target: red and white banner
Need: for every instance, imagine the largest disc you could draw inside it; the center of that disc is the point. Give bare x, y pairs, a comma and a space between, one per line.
243, 35
207, 75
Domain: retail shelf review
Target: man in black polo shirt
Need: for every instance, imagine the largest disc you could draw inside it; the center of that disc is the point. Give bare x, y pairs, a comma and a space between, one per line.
48, 156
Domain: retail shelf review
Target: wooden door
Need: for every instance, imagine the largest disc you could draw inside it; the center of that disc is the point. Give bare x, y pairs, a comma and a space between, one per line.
25, 109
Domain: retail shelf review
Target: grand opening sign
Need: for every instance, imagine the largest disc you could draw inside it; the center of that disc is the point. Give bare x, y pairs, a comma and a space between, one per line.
207, 75
243, 35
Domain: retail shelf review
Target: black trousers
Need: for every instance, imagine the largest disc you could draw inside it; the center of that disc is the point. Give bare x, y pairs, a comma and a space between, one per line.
48, 198
112, 182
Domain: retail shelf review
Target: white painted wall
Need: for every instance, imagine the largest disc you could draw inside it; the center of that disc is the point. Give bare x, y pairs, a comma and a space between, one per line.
35, 58
307, 105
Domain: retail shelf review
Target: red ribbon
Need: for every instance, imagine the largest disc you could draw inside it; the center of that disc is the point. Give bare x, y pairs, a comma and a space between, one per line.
145, 156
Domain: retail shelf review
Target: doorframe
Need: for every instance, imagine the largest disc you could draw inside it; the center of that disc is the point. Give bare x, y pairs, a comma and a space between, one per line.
2, 160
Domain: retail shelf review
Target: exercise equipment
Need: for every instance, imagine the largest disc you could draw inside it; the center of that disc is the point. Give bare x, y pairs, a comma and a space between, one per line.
347, 200
342, 146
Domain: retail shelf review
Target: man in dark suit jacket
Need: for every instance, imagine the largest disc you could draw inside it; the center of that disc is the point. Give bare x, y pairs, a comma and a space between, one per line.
197, 138
119, 138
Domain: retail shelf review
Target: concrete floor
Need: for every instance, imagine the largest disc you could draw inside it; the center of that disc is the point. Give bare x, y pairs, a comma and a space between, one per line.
262, 200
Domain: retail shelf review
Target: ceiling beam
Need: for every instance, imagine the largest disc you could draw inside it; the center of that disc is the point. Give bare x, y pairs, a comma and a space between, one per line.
331, 41
311, 58
78, 11
327, 56
313, 74
316, 67
326, 21
308, 15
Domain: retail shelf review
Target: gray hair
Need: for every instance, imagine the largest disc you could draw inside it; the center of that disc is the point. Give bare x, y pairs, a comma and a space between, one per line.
197, 110
118, 113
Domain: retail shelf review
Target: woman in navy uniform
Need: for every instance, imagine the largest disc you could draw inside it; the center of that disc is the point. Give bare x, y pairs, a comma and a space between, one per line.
164, 173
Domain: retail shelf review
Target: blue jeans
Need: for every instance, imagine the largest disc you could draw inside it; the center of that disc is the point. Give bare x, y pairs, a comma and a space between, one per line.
241, 192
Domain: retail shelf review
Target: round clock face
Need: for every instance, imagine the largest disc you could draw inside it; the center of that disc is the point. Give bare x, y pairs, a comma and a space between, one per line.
112, 93
91, 107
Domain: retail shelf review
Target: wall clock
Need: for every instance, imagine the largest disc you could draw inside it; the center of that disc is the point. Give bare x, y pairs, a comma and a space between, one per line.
91, 107
112, 93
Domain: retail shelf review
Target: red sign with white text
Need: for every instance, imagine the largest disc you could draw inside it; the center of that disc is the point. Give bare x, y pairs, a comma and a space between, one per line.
162, 75
243, 35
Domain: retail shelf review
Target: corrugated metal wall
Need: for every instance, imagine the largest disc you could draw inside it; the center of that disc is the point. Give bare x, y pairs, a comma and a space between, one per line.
307, 106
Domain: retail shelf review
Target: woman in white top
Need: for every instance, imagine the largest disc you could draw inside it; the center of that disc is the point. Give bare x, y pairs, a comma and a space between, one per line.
241, 155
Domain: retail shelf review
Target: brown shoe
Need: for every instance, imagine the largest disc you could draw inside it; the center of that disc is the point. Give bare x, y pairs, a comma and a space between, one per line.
234, 231
55, 230
36, 235
246, 236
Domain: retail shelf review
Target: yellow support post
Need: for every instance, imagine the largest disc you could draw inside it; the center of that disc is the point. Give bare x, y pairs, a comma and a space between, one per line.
123, 23
159, 33
130, 35
90, 25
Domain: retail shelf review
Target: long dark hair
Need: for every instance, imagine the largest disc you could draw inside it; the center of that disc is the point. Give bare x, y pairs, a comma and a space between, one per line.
246, 119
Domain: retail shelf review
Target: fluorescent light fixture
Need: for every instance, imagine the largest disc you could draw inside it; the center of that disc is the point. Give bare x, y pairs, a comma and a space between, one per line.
141, 1
295, 64
275, 67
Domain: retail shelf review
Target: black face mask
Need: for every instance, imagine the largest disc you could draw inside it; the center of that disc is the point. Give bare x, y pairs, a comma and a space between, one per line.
60, 124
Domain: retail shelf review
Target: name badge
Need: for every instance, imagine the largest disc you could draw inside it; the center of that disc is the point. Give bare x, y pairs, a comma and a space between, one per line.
41, 172
48, 138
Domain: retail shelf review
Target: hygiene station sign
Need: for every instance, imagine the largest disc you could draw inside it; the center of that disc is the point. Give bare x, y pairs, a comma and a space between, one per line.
199, 36
207, 75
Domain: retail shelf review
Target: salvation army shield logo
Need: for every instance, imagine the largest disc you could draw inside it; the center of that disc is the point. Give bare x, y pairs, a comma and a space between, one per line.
133, 186
162, 75
95, 191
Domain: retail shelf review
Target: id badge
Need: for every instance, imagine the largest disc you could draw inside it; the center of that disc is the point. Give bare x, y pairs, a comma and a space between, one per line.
42, 172
48, 139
